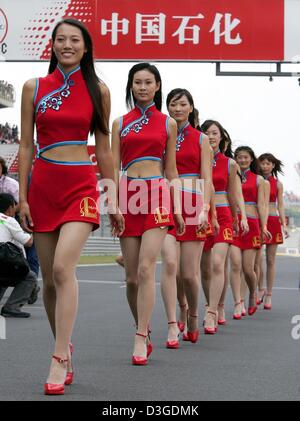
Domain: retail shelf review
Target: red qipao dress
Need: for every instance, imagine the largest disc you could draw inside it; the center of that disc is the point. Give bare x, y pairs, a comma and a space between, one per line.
273, 224
251, 240
220, 178
188, 162
144, 202
62, 191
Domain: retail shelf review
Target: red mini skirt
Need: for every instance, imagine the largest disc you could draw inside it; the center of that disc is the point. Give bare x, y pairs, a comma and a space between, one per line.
225, 221
191, 205
145, 204
274, 227
63, 193
251, 240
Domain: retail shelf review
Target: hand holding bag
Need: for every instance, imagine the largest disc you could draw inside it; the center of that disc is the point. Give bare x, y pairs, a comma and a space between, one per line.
13, 265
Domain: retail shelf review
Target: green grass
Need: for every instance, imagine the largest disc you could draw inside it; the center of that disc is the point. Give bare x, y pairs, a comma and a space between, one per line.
91, 260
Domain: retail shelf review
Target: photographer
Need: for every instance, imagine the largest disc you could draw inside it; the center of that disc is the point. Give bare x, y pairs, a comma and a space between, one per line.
11, 231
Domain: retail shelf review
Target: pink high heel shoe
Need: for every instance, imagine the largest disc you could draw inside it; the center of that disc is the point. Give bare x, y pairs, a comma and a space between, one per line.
136, 360
268, 306
70, 374
55, 389
172, 344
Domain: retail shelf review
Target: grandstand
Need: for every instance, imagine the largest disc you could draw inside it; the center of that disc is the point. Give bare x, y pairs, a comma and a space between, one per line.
7, 94
10, 154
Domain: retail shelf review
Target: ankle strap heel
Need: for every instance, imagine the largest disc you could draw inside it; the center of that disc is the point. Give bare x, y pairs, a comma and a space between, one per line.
60, 360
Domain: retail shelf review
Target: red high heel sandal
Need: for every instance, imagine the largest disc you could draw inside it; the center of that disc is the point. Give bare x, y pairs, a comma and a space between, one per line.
237, 316
193, 336
210, 330
172, 344
70, 374
268, 306
261, 300
252, 309
149, 344
181, 325
140, 360
221, 322
244, 312
55, 389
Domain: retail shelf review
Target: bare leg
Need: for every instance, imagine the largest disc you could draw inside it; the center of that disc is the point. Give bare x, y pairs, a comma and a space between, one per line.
130, 250
244, 289
250, 275
260, 275
190, 255
168, 283
221, 306
219, 254
72, 237
152, 241
235, 277
206, 273
271, 256
45, 245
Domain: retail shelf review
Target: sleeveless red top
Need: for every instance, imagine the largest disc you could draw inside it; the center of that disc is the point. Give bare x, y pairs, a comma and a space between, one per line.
143, 135
250, 187
63, 110
220, 173
273, 188
188, 151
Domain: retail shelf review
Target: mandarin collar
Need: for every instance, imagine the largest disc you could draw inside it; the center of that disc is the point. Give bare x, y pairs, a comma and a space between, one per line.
63, 76
143, 110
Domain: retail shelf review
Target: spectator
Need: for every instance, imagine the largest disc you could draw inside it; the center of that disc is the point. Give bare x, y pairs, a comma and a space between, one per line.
8, 184
10, 230
8, 134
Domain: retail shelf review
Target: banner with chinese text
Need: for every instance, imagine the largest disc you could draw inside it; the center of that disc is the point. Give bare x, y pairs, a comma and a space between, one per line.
208, 30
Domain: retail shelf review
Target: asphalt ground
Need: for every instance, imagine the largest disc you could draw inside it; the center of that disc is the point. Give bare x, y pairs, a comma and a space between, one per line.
254, 359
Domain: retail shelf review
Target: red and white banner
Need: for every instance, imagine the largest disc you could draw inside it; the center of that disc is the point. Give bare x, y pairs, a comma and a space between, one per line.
212, 30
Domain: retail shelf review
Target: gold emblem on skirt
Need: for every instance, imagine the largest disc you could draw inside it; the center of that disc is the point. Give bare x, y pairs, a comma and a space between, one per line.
227, 234
161, 216
88, 208
256, 241
279, 238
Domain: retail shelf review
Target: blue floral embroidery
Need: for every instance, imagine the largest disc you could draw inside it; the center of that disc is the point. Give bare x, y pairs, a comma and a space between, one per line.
56, 101
179, 140
136, 126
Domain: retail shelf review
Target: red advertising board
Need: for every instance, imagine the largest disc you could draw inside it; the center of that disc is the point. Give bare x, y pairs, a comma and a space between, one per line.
212, 30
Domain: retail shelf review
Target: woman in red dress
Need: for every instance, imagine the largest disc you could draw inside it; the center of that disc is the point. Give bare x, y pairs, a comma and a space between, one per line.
224, 180
270, 166
61, 204
193, 165
141, 140
254, 197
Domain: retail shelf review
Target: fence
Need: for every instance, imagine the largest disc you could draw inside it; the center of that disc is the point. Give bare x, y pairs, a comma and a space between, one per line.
105, 246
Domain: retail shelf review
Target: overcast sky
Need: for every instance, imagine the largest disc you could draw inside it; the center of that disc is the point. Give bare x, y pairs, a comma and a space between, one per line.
256, 112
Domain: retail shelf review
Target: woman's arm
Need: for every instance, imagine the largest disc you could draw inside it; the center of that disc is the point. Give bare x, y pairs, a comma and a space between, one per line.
206, 175
172, 174
105, 162
262, 208
241, 202
26, 150
281, 208
232, 188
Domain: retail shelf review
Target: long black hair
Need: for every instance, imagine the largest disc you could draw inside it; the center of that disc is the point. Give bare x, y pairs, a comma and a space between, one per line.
253, 165
224, 134
130, 100
179, 93
271, 158
4, 166
99, 120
